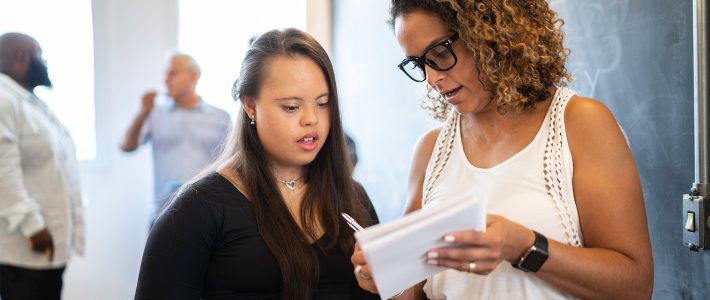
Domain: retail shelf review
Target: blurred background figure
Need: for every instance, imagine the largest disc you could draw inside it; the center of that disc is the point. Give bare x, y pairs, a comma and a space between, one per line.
185, 132
41, 213
351, 150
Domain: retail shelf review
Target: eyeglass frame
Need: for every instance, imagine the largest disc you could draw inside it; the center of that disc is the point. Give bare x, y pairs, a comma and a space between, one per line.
421, 61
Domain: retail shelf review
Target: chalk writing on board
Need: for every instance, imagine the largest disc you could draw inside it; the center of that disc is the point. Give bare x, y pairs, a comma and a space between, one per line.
593, 39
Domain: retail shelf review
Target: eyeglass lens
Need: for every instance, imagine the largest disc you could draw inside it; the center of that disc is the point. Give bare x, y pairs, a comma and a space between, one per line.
438, 57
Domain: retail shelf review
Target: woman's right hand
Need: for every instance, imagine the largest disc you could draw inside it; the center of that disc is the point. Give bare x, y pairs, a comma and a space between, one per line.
362, 272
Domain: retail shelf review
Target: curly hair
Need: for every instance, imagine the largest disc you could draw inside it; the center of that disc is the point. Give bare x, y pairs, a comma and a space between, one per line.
517, 45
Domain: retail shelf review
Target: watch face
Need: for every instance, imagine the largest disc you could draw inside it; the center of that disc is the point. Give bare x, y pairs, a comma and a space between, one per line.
536, 255
534, 260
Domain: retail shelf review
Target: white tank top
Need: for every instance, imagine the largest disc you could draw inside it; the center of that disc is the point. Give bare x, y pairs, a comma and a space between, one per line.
532, 188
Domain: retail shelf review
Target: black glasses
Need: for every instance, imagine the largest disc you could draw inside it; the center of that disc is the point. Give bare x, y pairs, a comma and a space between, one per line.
440, 57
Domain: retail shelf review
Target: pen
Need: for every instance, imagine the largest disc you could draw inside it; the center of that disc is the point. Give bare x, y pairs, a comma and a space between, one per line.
355, 226
352, 223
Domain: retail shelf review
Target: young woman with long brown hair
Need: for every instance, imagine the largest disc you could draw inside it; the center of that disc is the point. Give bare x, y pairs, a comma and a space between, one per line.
264, 222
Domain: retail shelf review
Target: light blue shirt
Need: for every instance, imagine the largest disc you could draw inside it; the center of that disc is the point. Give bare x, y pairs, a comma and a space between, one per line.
184, 142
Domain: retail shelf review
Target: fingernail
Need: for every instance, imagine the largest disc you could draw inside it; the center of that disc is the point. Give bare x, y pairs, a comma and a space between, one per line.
431, 261
432, 254
449, 238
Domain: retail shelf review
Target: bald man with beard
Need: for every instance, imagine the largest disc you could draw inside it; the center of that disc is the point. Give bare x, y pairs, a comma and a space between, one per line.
41, 214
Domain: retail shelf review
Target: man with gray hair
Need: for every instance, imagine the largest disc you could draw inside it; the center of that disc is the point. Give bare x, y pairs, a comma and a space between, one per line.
41, 213
186, 134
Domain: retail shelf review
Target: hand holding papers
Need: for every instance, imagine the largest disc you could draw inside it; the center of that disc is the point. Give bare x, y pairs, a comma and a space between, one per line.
396, 251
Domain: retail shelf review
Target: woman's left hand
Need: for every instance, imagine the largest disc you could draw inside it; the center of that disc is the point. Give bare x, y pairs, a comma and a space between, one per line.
481, 252
362, 271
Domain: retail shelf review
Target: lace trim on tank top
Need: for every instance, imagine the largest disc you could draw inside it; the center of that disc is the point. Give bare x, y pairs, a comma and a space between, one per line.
552, 162
444, 144
553, 168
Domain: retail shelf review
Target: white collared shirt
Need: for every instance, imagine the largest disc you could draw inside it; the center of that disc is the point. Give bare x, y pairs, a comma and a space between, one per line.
39, 180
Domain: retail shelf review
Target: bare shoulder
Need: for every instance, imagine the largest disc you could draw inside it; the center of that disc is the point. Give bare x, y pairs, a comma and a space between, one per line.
594, 134
587, 113
425, 145
587, 119
420, 159
581, 110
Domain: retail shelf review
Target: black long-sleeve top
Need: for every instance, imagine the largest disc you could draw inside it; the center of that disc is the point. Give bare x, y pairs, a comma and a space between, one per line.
208, 246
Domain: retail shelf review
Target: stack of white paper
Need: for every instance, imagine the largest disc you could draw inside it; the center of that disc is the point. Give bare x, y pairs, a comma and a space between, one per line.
396, 251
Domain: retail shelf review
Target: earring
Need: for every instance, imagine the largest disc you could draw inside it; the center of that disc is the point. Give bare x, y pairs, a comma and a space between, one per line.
253, 122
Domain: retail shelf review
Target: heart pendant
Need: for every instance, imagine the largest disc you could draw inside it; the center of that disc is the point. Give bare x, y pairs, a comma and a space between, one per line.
290, 184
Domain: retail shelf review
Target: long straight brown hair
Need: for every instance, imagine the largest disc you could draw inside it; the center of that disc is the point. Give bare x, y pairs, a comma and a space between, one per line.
330, 188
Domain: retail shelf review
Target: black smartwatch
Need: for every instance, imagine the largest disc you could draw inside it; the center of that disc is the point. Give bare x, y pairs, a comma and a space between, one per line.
533, 259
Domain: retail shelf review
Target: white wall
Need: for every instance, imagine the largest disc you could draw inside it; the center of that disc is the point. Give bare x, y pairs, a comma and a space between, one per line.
131, 38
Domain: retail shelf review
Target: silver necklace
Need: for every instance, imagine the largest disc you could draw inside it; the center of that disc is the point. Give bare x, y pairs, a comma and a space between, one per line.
290, 184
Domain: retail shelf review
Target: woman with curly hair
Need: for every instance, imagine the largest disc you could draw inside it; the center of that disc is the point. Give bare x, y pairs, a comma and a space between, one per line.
566, 211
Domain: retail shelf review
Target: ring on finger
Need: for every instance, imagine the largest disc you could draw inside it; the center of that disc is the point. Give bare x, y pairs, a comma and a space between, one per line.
471, 266
360, 274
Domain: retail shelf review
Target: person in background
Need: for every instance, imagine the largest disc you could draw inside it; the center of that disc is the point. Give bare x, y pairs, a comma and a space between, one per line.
351, 150
41, 212
566, 211
186, 133
264, 221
